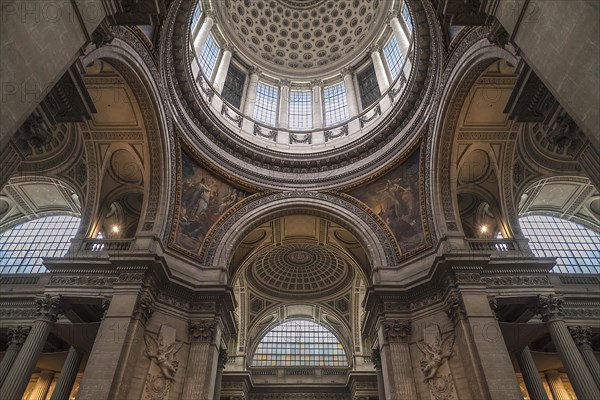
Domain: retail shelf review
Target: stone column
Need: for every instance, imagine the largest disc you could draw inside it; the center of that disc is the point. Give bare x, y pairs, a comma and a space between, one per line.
203, 32
531, 376
556, 386
251, 92
380, 74
317, 103
16, 338
118, 342
223, 358
40, 390
400, 35
68, 374
582, 335
284, 104
550, 309
395, 360
221, 74
48, 310
201, 371
350, 92
376, 359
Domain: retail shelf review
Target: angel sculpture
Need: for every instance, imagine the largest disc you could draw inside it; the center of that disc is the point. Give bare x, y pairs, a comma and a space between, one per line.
435, 354
162, 354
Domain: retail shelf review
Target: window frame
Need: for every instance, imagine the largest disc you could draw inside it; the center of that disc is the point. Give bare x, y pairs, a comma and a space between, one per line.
310, 107
345, 106
275, 110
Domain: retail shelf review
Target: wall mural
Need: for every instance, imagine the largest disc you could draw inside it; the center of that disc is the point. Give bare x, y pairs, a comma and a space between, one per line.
395, 198
203, 199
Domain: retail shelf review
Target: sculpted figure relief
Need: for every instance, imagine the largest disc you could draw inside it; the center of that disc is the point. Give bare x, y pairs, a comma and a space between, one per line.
163, 355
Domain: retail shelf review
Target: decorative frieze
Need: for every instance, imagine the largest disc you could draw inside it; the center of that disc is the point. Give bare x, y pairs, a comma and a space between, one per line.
59, 280
584, 313
491, 281
202, 330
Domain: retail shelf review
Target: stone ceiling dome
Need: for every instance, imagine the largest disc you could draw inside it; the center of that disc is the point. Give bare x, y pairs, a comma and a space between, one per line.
300, 270
300, 37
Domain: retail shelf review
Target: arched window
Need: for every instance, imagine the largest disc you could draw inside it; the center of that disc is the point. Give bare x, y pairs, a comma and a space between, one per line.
23, 246
265, 107
208, 58
576, 248
301, 116
393, 57
336, 104
300, 343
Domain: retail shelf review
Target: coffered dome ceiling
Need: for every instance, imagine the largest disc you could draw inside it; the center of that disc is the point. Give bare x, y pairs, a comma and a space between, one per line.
300, 37
300, 270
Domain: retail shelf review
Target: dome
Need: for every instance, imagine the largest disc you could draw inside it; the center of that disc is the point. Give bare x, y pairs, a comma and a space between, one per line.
299, 270
307, 38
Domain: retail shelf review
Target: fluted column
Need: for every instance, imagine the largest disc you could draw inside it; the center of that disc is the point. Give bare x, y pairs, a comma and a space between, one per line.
203, 33
68, 374
284, 103
16, 338
531, 376
582, 335
550, 309
201, 371
350, 92
221, 75
223, 358
396, 361
317, 104
400, 35
556, 386
251, 92
376, 359
40, 390
380, 74
48, 310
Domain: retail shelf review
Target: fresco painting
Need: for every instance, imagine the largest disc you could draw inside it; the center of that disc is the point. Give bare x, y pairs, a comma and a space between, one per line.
204, 198
395, 198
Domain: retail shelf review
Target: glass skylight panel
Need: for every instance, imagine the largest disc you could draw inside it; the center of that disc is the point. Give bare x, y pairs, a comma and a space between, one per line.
23, 246
576, 248
208, 58
300, 343
393, 57
300, 109
406, 17
265, 107
336, 104
197, 15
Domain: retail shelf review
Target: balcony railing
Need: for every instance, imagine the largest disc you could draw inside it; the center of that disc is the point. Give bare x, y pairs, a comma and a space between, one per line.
307, 141
492, 244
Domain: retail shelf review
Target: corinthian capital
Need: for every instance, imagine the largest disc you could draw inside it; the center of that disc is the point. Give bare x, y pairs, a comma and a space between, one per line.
396, 330
549, 307
17, 336
581, 335
202, 330
49, 307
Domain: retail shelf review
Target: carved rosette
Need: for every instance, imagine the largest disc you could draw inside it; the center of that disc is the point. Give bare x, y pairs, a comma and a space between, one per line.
582, 336
202, 330
17, 336
376, 359
223, 358
145, 308
396, 330
455, 308
48, 308
549, 307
